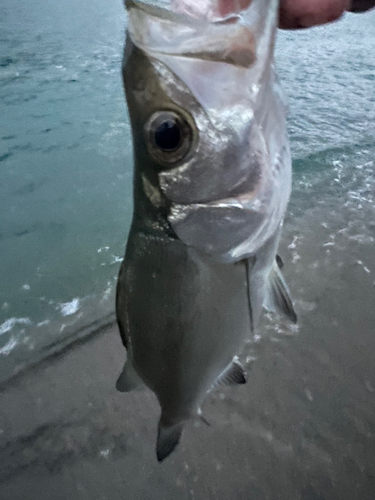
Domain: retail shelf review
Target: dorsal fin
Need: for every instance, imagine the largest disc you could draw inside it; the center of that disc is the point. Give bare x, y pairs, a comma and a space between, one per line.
278, 298
232, 375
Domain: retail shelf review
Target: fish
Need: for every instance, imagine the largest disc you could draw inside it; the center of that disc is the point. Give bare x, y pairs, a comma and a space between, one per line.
212, 180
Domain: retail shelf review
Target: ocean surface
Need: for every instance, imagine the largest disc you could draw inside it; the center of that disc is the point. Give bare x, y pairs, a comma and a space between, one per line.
66, 169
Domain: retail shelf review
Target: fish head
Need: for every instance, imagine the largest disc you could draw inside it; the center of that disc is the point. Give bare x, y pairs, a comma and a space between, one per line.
208, 122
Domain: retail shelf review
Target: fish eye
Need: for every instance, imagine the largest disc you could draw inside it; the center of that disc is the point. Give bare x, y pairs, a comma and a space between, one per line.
169, 136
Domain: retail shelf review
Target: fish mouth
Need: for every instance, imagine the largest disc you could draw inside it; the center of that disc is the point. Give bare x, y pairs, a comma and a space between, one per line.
229, 39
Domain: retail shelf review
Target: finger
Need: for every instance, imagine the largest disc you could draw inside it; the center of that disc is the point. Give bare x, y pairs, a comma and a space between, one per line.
295, 14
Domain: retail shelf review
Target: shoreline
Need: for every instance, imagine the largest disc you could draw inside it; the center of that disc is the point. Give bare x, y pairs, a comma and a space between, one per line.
59, 347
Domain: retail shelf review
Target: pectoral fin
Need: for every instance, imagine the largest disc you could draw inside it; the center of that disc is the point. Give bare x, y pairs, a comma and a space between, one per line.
232, 375
129, 380
279, 261
168, 438
278, 297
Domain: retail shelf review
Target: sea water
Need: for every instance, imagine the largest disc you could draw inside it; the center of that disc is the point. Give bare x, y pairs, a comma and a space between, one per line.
66, 167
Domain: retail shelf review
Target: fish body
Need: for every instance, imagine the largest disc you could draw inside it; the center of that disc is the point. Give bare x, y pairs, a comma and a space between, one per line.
211, 185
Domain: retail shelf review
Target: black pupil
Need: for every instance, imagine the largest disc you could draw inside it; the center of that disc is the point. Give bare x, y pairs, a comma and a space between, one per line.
168, 135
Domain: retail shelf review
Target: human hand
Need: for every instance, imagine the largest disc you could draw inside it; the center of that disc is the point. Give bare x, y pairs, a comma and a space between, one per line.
296, 14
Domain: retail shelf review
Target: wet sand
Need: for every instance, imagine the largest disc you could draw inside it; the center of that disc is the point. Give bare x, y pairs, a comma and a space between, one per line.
302, 428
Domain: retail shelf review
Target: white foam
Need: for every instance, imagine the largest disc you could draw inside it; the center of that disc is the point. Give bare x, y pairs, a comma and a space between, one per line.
43, 323
365, 268
309, 395
69, 308
107, 292
9, 346
293, 245
104, 453
296, 257
250, 359
11, 322
117, 259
